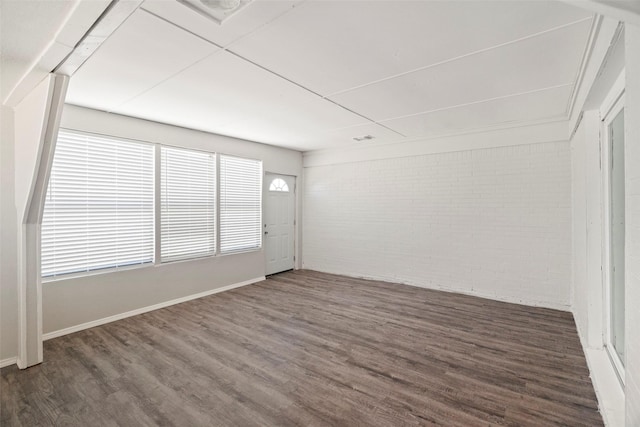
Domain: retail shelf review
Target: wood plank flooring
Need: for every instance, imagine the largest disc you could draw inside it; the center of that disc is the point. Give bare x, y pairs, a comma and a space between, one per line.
313, 349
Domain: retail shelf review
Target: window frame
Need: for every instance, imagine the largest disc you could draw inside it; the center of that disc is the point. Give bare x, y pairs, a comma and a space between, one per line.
157, 209
76, 274
260, 247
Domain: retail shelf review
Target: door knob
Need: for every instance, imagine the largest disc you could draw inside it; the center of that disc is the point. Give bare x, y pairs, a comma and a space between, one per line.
266, 232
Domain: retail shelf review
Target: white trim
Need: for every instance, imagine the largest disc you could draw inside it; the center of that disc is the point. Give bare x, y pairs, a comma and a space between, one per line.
607, 31
8, 362
495, 297
614, 9
157, 205
607, 388
615, 93
540, 133
113, 15
71, 30
109, 319
586, 56
613, 104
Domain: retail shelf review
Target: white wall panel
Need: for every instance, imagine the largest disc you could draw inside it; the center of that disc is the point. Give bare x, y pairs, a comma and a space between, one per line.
8, 241
632, 186
494, 222
579, 297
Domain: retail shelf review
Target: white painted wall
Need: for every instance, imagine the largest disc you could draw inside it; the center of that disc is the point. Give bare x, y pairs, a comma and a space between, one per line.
619, 408
28, 118
71, 302
632, 183
587, 230
8, 242
579, 300
587, 287
493, 222
24, 130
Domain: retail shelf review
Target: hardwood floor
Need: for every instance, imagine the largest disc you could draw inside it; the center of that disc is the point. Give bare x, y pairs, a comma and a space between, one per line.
308, 348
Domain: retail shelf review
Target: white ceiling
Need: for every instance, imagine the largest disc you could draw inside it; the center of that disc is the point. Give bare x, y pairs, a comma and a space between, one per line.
26, 28
314, 74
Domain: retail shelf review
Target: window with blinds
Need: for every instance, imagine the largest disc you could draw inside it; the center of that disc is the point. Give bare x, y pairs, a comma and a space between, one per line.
240, 204
188, 205
99, 210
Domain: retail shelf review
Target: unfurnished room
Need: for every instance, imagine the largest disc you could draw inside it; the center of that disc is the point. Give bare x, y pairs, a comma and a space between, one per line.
320, 213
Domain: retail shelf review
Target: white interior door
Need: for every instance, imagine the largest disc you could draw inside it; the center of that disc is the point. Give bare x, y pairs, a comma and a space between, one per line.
279, 222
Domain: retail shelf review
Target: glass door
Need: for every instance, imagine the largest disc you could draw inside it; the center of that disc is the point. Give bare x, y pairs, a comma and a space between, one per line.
615, 283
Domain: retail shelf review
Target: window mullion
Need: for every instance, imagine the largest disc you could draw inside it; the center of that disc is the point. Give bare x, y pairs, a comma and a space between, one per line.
157, 206
217, 196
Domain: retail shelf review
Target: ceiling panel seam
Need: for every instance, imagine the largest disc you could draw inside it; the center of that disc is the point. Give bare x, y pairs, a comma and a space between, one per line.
220, 47
226, 49
250, 33
266, 24
166, 79
162, 18
311, 91
446, 61
114, 15
478, 102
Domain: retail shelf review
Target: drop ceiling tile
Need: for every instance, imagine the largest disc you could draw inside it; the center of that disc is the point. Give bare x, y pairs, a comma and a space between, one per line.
331, 46
143, 52
227, 95
251, 17
547, 60
542, 105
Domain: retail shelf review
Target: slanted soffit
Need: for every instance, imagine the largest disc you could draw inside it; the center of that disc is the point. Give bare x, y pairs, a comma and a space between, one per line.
315, 74
36, 35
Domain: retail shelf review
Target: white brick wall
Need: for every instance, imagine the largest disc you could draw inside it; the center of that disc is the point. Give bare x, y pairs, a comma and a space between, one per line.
493, 222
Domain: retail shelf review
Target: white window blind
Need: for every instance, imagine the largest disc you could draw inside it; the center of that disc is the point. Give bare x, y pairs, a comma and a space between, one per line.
240, 204
188, 206
99, 208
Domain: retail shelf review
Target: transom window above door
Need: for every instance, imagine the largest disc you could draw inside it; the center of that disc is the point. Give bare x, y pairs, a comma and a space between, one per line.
278, 184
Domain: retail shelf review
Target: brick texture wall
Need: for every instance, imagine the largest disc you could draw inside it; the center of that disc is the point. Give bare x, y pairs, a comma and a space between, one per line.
491, 222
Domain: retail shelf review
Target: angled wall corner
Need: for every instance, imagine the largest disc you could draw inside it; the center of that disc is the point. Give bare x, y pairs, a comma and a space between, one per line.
37, 119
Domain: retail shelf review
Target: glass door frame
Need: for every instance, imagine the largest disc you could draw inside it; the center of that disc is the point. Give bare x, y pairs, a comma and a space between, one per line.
612, 105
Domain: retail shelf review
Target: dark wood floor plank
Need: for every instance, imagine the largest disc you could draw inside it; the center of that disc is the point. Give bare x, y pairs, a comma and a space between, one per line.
308, 348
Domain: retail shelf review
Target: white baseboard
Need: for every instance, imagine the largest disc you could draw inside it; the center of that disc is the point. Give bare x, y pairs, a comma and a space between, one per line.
8, 362
512, 300
98, 322
606, 385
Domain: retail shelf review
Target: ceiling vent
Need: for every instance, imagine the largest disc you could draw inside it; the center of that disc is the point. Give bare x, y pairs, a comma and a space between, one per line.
216, 10
363, 138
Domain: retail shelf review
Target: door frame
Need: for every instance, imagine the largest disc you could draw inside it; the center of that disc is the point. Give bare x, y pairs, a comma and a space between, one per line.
296, 223
611, 106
